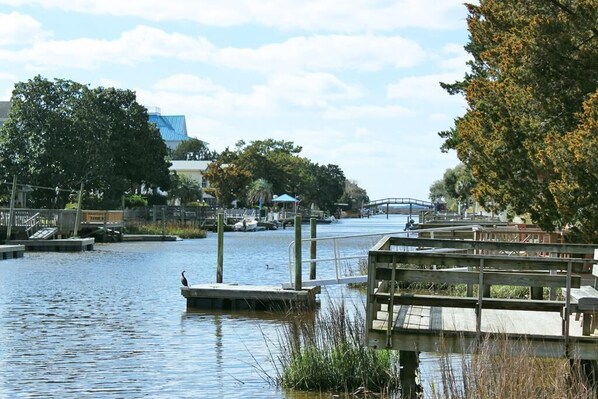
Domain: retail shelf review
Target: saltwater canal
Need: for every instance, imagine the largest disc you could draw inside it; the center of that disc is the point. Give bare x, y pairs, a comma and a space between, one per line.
112, 323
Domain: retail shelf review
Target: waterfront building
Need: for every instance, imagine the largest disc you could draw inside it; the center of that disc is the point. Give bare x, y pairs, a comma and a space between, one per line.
173, 128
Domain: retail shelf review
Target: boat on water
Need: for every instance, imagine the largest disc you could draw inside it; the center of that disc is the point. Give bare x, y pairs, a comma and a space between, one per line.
246, 224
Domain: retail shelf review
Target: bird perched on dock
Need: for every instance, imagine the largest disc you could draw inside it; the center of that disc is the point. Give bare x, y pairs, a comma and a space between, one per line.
184, 280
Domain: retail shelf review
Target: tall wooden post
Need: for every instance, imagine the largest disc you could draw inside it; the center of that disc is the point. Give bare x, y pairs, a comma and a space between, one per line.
11, 213
298, 282
163, 221
409, 362
78, 214
220, 259
312, 248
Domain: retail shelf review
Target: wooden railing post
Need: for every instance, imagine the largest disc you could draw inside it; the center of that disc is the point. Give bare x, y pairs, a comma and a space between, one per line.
11, 213
312, 248
298, 283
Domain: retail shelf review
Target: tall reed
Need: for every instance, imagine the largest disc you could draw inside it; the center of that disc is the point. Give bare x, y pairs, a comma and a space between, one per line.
499, 371
330, 354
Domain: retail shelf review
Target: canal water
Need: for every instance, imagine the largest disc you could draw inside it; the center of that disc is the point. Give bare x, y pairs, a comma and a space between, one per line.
111, 322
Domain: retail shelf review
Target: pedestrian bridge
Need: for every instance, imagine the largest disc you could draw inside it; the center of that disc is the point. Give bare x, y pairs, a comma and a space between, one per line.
399, 201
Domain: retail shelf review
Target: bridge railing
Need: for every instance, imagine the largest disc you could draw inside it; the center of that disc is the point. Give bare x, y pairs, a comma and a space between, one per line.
399, 201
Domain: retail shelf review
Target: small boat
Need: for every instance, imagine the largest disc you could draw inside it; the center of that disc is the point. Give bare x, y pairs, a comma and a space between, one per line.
247, 224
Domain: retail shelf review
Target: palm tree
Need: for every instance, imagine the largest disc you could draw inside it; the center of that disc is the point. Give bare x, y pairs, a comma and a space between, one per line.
260, 191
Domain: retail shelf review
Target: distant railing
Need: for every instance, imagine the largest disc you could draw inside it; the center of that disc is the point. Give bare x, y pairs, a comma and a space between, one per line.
399, 201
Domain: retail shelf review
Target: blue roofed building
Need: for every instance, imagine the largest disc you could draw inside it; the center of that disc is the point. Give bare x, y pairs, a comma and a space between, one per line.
173, 128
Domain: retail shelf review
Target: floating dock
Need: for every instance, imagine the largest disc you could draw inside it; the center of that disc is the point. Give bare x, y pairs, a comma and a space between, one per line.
149, 237
11, 251
59, 245
249, 297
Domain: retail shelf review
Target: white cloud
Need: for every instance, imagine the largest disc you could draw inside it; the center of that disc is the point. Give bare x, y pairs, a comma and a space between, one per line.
321, 15
192, 94
140, 44
332, 52
368, 111
16, 28
425, 88
455, 58
106, 82
187, 83
311, 89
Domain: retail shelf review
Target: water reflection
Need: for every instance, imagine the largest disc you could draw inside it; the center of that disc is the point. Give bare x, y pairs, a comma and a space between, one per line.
112, 323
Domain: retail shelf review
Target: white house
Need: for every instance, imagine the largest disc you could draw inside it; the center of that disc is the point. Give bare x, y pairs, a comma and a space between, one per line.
192, 169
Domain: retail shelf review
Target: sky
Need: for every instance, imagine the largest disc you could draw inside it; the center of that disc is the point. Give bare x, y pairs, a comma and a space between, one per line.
355, 83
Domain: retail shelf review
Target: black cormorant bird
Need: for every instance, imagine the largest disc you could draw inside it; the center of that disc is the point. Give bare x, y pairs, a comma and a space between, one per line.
184, 280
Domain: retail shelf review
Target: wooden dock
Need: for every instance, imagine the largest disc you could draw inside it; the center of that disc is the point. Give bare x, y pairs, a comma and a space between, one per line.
59, 245
249, 297
149, 237
11, 251
548, 323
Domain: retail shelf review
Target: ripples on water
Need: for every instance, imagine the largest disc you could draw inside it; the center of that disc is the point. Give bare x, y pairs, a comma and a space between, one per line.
112, 323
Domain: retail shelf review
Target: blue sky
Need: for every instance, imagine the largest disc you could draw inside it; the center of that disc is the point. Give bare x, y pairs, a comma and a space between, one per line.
354, 82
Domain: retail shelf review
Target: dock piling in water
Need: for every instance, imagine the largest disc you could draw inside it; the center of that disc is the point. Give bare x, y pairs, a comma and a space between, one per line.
298, 259
312, 247
220, 260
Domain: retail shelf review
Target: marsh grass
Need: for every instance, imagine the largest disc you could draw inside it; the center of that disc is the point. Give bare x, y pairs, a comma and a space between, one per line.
330, 355
175, 229
497, 371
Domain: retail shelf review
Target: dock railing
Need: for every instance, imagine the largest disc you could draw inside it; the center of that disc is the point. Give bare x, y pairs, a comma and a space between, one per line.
395, 262
336, 253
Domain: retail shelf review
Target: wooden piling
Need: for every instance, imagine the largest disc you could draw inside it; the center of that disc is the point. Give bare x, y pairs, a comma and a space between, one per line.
220, 260
312, 248
11, 213
409, 363
78, 214
298, 259
536, 293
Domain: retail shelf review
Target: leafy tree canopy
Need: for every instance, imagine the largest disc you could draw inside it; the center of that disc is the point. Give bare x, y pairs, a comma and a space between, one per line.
454, 188
529, 135
194, 149
279, 165
184, 188
62, 133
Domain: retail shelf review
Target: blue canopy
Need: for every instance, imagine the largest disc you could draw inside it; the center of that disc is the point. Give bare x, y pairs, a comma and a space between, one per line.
284, 198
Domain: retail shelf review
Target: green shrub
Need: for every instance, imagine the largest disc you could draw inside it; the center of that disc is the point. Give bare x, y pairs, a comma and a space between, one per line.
168, 229
330, 355
135, 201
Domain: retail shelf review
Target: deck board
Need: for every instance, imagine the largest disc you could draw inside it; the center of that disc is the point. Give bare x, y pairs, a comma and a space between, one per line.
425, 318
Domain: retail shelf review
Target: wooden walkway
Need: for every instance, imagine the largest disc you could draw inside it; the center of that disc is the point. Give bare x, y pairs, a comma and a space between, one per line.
431, 322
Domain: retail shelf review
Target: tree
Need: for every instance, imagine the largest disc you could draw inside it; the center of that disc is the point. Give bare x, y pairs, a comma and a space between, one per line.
328, 186
354, 195
438, 191
229, 181
259, 192
193, 149
62, 134
455, 187
528, 133
185, 189
279, 163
